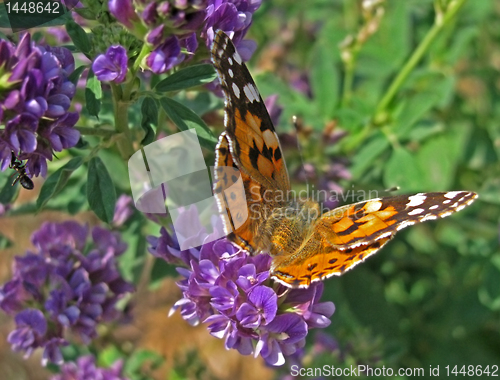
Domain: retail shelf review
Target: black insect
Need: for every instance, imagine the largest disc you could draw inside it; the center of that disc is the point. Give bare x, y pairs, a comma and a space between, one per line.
22, 177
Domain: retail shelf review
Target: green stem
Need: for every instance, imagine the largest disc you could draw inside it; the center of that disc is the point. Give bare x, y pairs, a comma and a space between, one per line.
121, 100
144, 51
349, 77
120, 106
417, 55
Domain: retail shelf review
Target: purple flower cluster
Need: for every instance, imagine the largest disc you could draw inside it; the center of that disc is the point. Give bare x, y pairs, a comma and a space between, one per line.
63, 286
174, 26
85, 369
35, 97
233, 293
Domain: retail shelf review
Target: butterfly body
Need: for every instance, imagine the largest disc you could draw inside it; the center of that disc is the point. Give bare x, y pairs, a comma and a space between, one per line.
262, 215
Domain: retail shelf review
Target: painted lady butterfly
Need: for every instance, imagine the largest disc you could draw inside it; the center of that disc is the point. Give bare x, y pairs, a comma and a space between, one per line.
305, 245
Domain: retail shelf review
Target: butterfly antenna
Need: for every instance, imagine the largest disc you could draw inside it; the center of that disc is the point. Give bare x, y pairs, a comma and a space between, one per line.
392, 189
296, 125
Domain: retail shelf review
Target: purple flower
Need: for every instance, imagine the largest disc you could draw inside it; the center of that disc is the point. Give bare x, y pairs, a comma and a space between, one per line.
273, 108
165, 56
174, 27
282, 337
112, 66
68, 286
123, 11
123, 210
233, 17
31, 326
85, 369
35, 100
232, 292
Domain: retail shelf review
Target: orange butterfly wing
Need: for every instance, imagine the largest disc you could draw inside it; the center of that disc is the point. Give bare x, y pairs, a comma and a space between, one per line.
346, 236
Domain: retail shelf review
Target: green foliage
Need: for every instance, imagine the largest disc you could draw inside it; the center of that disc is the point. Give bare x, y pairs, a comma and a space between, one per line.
186, 78
101, 193
186, 119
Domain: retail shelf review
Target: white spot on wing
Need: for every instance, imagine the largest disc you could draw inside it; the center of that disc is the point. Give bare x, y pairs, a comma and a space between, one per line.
251, 93
236, 90
404, 224
416, 211
428, 217
451, 194
230, 61
237, 57
416, 200
270, 138
434, 207
447, 201
231, 74
372, 206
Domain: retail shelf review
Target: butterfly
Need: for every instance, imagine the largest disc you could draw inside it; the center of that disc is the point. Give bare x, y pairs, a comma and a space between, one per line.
253, 191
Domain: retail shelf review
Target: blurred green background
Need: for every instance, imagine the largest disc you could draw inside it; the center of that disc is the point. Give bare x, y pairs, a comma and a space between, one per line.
432, 296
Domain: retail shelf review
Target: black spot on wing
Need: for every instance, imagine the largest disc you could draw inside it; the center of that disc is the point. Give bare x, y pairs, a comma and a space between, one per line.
267, 152
277, 154
254, 154
349, 230
310, 267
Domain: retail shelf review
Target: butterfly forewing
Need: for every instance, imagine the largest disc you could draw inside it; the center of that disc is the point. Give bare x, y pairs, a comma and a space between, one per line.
350, 234
252, 139
365, 222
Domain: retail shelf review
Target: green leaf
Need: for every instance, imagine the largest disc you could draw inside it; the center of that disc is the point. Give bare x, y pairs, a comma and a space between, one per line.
75, 75
57, 181
86, 13
93, 95
108, 356
325, 81
101, 193
149, 122
186, 119
161, 270
5, 242
437, 162
364, 292
8, 191
136, 362
403, 170
4, 18
363, 160
189, 77
79, 37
